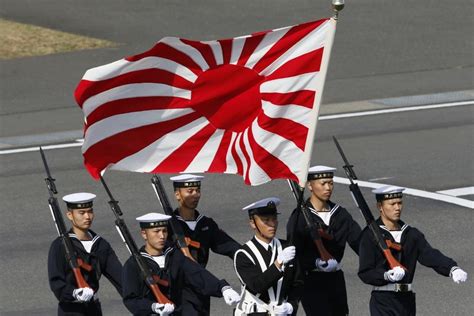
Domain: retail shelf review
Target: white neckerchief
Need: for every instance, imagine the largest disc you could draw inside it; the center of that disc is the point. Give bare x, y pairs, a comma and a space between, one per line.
87, 244
396, 234
191, 224
160, 260
325, 216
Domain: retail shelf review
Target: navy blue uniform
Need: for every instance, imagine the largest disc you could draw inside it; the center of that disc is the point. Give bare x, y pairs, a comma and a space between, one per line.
373, 265
62, 282
210, 237
324, 292
180, 272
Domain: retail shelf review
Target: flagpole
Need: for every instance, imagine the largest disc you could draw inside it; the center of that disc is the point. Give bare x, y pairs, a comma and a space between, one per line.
337, 5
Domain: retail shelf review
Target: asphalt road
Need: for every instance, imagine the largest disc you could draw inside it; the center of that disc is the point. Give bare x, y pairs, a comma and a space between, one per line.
383, 49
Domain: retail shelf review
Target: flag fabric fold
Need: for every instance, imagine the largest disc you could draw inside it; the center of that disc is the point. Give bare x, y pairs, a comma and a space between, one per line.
246, 105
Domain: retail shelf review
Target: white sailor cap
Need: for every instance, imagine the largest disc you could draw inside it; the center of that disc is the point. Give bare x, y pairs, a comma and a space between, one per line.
152, 220
79, 200
266, 206
320, 172
388, 192
186, 180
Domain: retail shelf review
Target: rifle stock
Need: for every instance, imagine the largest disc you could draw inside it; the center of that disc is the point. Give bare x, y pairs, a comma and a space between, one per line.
75, 263
178, 235
151, 281
298, 193
367, 213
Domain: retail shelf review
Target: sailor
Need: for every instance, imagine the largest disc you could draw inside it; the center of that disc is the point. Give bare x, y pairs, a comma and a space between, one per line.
170, 265
393, 293
324, 285
264, 266
202, 233
94, 250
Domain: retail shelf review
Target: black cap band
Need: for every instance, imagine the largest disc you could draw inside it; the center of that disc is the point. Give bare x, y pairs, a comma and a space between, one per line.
76, 206
153, 224
388, 196
322, 175
187, 184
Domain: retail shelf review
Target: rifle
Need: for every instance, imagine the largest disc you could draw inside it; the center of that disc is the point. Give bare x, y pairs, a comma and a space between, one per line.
74, 261
151, 281
384, 245
315, 232
178, 235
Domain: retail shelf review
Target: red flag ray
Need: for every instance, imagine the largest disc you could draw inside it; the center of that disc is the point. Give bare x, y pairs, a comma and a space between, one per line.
191, 148
294, 35
271, 165
205, 50
219, 164
285, 128
307, 63
303, 97
123, 106
87, 89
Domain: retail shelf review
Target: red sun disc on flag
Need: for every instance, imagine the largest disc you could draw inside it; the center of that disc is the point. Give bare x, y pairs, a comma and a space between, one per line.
228, 96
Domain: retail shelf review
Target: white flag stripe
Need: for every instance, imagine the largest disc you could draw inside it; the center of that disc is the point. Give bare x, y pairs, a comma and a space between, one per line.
147, 159
256, 174
240, 154
190, 51
296, 113
106, 71
237, 46
202, 161
311, 42
216, 50
122, 122
123, 66
265, 45
306, 81
133, 90
286, 151
230, 162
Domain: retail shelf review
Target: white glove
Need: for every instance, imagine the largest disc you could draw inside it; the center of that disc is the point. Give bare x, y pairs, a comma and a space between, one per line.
83, 294
394, 275
230, 296
162, 309
326, 266
458, 275
286, 255
283, 309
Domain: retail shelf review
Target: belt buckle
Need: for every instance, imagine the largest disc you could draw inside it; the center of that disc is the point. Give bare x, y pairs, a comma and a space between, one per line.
401, 287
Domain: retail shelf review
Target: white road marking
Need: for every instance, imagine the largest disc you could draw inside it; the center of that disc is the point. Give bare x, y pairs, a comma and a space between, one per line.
459, 191
415, 192
36, 148
395, 110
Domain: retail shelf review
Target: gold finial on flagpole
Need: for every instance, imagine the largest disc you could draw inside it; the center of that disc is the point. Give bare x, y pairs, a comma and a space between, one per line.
337, 5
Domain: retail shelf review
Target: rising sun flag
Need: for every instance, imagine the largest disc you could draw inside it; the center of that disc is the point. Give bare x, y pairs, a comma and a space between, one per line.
246, 105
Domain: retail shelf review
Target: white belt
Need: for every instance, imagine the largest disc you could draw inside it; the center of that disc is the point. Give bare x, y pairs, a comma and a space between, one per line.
395, 287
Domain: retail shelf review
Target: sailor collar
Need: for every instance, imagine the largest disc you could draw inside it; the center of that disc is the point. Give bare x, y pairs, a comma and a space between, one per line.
197, 215
165, 253
402, 225
334, 207
93, 235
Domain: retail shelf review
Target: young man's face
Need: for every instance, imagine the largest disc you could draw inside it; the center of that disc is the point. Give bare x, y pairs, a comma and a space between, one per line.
81, 218
391, 210
267, 225
155, 237
188, 197
321, 188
